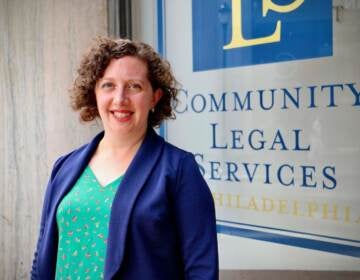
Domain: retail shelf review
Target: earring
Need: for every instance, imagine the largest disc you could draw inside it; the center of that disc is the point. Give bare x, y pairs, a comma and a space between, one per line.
152, 110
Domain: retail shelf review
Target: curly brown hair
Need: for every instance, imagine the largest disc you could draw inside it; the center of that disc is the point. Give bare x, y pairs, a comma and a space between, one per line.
96, 60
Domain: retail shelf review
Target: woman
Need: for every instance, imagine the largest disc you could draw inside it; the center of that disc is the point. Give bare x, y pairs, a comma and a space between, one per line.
127, 205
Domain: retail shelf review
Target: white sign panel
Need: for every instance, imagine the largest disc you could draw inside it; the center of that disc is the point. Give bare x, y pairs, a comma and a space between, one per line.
269, 105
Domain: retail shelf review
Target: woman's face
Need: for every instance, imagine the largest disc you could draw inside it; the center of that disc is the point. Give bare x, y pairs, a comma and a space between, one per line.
124, 97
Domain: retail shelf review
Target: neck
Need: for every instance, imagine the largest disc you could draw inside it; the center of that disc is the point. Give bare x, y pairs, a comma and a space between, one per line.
120, 146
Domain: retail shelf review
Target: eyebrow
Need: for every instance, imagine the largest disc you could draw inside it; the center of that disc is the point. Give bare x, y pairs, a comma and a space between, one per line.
105, 78
135, 79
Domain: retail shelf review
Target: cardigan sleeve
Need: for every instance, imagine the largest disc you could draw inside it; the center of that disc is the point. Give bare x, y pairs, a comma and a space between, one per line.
196, 222
34, 275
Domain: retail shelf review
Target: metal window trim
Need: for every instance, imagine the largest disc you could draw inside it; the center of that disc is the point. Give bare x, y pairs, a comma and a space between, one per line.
119, 18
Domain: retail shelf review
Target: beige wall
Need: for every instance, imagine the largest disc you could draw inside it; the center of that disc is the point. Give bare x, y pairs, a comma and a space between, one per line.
40, 46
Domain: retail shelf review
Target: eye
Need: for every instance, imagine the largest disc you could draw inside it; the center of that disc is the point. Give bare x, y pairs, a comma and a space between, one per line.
134, 87
106, 85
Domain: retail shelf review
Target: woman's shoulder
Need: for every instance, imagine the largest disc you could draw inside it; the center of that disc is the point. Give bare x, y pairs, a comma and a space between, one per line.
59, 162
80, 152
176, 151
178, 158
76, 155
73, 153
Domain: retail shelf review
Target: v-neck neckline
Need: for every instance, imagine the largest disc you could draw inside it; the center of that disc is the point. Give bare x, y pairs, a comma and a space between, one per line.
116, 180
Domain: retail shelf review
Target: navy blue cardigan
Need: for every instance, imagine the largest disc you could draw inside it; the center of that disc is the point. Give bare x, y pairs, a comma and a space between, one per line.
162, 222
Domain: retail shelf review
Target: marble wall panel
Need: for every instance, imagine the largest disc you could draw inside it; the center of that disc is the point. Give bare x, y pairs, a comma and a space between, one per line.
40, 46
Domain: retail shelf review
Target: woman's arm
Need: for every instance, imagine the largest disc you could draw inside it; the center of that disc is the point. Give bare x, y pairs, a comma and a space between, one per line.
196, 222
34, 275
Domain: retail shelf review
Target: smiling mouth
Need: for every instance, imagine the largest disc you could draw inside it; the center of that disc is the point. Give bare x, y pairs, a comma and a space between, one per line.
122, 115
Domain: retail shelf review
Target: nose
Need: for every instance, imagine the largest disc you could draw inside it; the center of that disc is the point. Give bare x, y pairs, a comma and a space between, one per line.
120, 96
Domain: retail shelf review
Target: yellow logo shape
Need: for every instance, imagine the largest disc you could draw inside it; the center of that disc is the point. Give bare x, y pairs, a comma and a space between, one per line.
237, 38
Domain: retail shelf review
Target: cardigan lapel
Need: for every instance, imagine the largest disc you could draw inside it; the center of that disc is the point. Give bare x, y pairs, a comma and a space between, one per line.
64, 179
124, 200
72, 168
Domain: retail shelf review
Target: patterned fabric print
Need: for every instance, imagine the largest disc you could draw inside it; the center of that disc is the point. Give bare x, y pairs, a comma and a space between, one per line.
83, 219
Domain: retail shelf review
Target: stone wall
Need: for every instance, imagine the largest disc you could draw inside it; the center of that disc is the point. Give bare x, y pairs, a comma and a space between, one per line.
40, 47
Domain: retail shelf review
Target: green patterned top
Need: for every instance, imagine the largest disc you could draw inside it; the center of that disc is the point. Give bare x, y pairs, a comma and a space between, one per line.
83, 220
